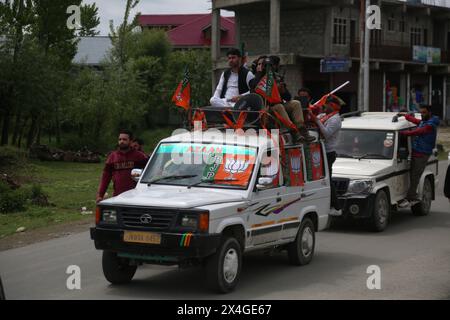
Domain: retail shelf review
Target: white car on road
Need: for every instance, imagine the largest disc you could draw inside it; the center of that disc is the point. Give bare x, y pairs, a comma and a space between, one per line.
371, 172
211, 212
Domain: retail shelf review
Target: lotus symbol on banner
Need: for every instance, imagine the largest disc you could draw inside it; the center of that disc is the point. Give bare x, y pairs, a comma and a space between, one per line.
234, 166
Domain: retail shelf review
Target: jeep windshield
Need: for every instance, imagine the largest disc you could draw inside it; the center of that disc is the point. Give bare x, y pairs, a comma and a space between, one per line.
365, 144
201, 165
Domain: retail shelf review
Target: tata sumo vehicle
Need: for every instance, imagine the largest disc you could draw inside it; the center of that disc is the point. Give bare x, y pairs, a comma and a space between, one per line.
371, 172
208, 200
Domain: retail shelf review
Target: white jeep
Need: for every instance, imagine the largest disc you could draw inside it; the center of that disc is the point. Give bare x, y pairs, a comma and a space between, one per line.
211, 212
371, 172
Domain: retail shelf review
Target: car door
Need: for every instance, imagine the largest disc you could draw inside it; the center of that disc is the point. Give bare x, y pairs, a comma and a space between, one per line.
264, 215
400, 183
293, 169
316, 192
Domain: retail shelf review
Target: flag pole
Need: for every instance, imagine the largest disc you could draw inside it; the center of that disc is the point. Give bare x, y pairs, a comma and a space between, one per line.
335, 90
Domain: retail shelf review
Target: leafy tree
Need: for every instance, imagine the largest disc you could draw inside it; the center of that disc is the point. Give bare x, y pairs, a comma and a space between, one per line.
15, 17
89, 20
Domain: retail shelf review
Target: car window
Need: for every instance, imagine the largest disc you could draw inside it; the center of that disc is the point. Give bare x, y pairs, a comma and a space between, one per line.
270, 168
205, 165
368, 144
293, 169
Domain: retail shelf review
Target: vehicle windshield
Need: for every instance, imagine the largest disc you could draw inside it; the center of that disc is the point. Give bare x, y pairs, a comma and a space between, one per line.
201, 165
365, 144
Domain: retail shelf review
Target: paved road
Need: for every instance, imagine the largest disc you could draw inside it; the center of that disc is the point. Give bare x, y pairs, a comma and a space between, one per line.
413, 254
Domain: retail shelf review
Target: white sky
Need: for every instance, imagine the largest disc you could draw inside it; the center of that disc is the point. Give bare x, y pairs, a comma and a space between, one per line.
114, 9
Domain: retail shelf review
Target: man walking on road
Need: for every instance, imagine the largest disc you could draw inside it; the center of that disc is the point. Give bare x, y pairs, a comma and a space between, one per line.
119, 165
422, 148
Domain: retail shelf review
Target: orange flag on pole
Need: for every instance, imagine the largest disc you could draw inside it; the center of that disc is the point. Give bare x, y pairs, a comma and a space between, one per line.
268, 88
182, 96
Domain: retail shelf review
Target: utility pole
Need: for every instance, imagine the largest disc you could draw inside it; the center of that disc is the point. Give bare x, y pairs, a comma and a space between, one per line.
361, 55
366, 59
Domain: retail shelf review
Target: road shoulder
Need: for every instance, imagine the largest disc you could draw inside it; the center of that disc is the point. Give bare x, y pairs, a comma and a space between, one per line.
43, 234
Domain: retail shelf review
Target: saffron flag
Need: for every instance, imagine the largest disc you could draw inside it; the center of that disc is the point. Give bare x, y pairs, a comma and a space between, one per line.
268, 88
182, 96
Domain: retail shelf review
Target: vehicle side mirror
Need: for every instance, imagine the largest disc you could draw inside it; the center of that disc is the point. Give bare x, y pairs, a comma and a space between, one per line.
136, 174
264, 183
403, 153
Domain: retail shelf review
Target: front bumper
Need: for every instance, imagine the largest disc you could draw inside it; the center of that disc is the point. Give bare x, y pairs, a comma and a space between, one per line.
172, 250
359, 207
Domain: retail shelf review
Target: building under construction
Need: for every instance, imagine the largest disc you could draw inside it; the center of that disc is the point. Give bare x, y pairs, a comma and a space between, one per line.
320, 46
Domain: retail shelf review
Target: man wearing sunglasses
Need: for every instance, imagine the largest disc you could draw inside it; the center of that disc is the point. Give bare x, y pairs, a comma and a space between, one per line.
423, 144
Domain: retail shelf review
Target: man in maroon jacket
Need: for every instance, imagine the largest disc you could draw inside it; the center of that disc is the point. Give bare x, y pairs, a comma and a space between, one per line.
119, 165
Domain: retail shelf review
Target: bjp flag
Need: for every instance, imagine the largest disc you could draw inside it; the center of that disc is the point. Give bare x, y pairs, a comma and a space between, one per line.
268, 88
182, 96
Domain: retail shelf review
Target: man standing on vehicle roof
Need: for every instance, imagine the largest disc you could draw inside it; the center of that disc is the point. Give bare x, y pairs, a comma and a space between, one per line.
234, 82
119, 165
422, 148
330, 125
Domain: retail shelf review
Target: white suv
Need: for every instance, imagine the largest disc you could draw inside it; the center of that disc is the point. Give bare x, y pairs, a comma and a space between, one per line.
371, 172
211, 212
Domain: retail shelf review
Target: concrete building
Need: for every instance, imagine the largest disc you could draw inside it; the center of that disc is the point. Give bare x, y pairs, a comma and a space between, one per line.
409, 55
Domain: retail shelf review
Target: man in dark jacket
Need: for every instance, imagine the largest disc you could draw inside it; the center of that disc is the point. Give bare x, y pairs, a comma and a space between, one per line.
119, 165
422, 147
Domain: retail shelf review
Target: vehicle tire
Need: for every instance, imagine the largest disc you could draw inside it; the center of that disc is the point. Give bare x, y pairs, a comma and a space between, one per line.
224, 267
423, 208
2, 292
117, 270
381, 212
301, 251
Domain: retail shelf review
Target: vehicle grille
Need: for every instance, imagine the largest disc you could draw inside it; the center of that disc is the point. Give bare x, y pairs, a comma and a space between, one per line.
160, 220
341, 185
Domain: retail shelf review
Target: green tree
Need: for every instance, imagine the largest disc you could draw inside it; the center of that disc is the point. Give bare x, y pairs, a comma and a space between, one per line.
89, 20
121, 36
15, 18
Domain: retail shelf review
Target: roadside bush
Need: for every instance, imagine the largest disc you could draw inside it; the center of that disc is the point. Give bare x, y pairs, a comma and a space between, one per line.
10, 156
11, 200
38, 197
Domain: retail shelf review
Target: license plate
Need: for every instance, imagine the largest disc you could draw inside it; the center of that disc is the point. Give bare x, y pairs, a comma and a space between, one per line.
142, 237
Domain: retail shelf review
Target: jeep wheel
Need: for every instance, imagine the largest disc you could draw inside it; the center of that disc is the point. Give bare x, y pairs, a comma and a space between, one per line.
2, 293
423, 207
301, 251
224, 267
117, 270
381, 211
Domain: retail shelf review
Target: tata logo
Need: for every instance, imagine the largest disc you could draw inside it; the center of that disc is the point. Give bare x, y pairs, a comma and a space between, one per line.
146, 219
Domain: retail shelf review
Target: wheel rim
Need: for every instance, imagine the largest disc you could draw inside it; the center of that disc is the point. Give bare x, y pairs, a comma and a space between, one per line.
230, 265
307, 241
426, 199
382, 209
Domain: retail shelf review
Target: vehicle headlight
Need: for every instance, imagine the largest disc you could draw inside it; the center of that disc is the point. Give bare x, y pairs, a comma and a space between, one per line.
360, 186
109, 216
189, 221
